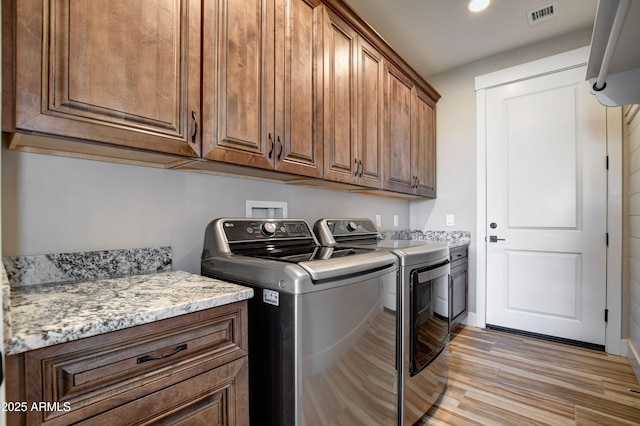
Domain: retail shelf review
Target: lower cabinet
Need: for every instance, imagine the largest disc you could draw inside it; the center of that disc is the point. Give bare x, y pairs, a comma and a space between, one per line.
460, 278
191, 369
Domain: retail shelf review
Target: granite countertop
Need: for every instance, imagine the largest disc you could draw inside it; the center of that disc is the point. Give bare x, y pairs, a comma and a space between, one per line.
450, 238
43, 315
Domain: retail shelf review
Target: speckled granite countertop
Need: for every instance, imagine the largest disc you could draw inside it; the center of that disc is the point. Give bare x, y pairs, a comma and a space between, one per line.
57, 298
46, 315
450, 238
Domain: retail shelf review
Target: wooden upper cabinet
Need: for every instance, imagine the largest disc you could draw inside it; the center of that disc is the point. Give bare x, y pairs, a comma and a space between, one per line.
340, 42
352, 105
410, 137
297, 88
398, 172
301, 87
234, 52
121, 72
424, 141
370, 114
260, 85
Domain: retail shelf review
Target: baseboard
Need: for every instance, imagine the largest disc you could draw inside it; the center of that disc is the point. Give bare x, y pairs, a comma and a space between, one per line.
578, 343
634, 358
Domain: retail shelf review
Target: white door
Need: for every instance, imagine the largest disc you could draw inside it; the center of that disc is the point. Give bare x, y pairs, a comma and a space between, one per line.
546, 207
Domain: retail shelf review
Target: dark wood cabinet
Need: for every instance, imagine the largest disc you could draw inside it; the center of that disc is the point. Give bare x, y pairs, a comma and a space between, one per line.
370, 114
424, 144
410, 138
352, 105
276, 89
180, 369
260, 85
122, 73
297, 88
399, 172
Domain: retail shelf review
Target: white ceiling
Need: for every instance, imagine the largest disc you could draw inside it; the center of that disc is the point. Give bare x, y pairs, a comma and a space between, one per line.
438, 35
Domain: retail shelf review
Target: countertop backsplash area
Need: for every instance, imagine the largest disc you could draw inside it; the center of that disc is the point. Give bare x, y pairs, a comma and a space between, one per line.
451, 238
85, 266
56, 298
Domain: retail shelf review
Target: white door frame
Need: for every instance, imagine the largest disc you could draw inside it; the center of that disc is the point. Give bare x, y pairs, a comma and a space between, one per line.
574, 58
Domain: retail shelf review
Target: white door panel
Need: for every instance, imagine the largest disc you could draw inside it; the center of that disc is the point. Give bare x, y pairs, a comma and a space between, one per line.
546, 196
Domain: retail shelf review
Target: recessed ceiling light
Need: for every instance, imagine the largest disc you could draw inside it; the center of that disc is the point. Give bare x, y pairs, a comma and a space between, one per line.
478, 5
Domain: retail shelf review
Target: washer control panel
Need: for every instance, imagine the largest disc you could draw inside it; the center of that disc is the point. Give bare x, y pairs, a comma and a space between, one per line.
260, 229
341, 227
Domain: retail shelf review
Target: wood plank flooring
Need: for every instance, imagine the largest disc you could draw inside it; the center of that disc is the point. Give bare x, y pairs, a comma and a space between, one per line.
498, 378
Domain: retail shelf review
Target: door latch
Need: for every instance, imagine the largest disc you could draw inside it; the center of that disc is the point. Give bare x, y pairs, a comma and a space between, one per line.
495, 239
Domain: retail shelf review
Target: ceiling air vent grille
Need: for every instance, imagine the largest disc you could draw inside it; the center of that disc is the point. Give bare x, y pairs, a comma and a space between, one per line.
543, 13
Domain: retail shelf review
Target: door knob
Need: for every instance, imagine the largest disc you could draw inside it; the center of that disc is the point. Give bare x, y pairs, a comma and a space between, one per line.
495, 239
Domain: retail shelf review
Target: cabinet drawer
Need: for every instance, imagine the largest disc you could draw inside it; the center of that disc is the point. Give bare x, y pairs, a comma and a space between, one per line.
459, 253
96, 374
216, 397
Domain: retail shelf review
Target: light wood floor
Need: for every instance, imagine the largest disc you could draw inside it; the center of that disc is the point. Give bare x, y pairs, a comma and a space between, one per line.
498, 378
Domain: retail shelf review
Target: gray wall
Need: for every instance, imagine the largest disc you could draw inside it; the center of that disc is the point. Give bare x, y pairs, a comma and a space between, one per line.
56, 204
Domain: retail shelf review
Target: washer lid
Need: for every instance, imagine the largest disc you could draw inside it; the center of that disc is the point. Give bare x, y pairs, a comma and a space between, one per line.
347, 266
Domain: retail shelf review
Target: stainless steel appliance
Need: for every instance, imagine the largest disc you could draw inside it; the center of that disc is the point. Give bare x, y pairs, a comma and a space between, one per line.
322, 349
421, 295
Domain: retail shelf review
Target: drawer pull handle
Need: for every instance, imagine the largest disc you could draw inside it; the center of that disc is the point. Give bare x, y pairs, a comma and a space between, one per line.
148, 358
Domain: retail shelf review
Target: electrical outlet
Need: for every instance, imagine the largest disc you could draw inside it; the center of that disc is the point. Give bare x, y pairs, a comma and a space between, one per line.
395, 220
450, 220
378, 220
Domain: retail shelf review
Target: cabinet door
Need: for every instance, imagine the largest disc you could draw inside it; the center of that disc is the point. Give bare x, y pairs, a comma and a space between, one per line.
459, 291
424, 140
216, 397
340, 100
398, 171
297, 90
234, 63
370, 107
122, 72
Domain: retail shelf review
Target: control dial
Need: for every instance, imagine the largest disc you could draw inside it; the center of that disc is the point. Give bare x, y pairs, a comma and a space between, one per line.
352, 226
268, 229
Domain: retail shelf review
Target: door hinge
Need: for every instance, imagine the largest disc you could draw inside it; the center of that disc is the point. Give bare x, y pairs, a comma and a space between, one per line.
607, 239
607, 162
606, 315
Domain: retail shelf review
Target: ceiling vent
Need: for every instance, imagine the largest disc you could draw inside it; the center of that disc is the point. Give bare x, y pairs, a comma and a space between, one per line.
543, 13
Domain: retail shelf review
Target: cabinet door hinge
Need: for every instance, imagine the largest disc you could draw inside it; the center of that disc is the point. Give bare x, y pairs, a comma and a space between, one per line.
606, 315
